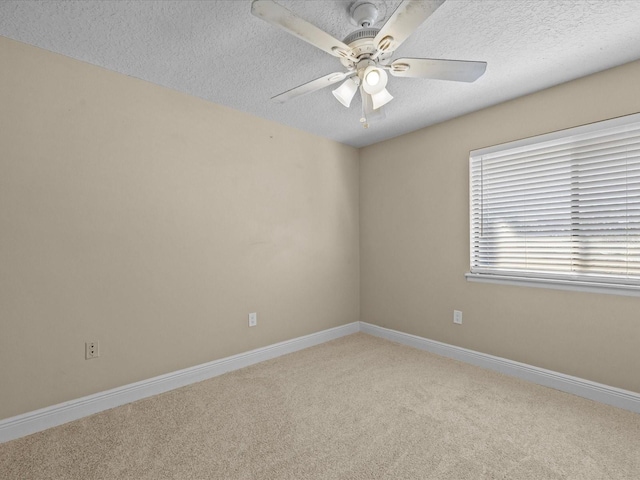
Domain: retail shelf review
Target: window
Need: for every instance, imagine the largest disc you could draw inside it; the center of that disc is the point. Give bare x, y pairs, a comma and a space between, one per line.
561, 209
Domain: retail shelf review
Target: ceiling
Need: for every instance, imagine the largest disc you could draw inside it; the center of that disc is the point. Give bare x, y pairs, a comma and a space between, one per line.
218, 51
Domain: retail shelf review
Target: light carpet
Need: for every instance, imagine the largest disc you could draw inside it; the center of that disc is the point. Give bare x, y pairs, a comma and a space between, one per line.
354, 408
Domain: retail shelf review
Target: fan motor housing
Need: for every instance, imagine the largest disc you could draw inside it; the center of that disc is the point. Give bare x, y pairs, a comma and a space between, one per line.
361, 42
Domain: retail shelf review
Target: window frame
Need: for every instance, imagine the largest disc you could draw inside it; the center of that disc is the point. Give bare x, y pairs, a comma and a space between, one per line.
614, 286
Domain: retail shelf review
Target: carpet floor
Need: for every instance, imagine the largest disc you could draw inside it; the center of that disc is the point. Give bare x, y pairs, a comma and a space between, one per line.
355, 408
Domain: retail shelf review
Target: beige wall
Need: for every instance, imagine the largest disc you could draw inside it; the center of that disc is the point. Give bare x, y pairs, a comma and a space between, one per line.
414, 247
154, 222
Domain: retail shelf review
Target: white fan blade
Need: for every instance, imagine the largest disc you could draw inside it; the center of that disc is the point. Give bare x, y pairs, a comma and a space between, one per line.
456, 70
311, 86
407, 17
279, 16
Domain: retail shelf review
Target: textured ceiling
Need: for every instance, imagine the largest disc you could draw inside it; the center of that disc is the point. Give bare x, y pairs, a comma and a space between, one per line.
218, 51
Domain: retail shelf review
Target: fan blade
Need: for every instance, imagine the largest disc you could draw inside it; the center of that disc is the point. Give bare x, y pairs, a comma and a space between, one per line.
312, 86
279, 16
456, 70
407, 17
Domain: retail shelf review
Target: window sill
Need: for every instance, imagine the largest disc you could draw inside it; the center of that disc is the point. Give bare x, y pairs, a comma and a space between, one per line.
557, 284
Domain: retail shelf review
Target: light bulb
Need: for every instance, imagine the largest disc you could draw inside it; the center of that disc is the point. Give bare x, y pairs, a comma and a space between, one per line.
372, 78
375, 80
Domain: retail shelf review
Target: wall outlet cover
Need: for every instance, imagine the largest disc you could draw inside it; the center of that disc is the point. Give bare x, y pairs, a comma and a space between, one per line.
91, 350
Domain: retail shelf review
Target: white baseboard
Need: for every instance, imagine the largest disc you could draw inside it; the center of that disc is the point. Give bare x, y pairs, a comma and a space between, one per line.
38, 420
616, 397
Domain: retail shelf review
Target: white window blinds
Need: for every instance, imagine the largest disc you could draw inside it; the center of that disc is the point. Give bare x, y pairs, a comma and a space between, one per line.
560, 206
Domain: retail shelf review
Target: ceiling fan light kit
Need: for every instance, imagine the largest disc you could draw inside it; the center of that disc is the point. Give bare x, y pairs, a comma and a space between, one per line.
374, 82
366, 52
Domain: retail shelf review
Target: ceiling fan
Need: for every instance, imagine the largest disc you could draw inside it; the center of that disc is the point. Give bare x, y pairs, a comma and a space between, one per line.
366, 53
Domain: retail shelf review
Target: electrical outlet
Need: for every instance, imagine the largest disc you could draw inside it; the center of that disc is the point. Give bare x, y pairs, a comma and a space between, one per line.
253, 319
457, 317
91, 350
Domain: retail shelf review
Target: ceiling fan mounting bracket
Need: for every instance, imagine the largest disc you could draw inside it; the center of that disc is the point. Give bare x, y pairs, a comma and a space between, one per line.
400, 67
341, 52
386, 44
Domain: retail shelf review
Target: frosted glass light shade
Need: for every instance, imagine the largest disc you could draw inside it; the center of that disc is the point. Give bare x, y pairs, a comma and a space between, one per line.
374, 80
345, 92
368, 112
381, 98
